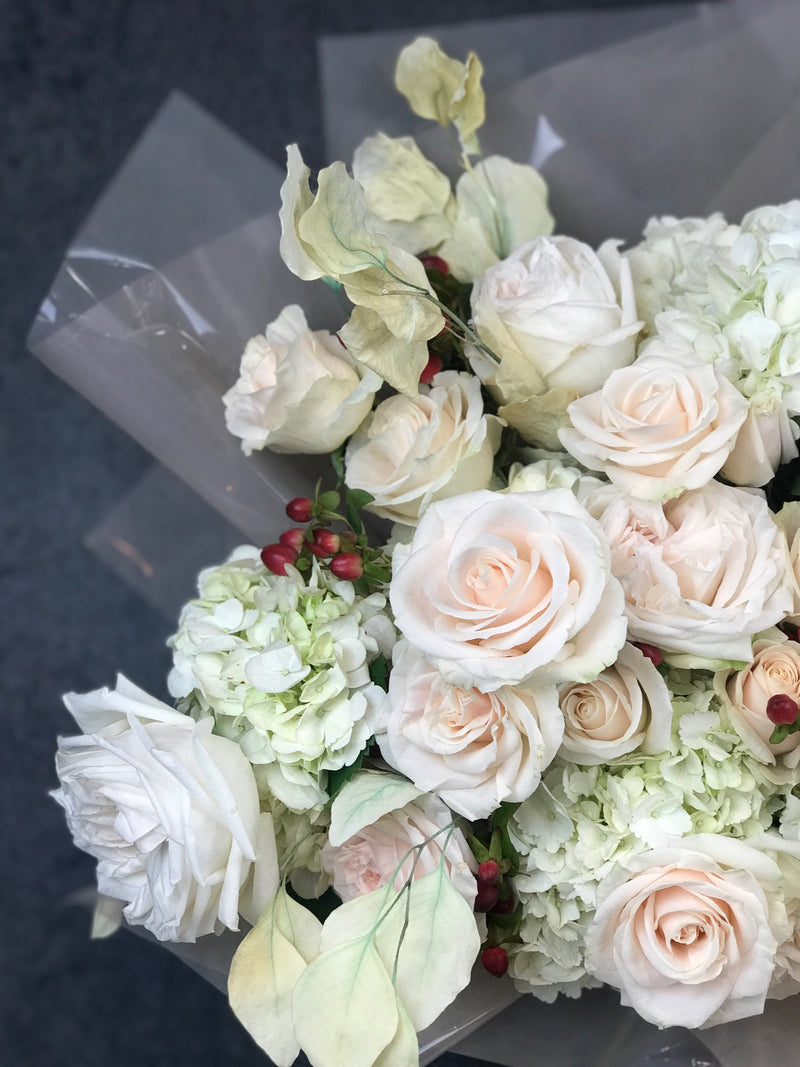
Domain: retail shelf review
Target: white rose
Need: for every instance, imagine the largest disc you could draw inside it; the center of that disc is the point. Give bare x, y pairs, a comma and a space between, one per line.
626, 708
559, 325
499, 589
665, 424
701, 573
414, 450
298, 390
475, 750
745, 693
685, 940
766, 440
788, 519
169, 810
406, 843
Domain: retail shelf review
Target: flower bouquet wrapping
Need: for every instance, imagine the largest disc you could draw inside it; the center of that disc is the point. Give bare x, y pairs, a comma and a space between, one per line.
545, 717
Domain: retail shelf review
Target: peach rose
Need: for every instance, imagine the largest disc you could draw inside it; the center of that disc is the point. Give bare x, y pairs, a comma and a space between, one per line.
499, 589
685, 940
745, 693
665, 424
625, 708
473, 749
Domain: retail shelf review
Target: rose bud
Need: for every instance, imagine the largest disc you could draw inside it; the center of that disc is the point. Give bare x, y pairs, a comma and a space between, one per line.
486, 897
299, 509
277, 557
347, 565
488, 872
432, 368
782, 709
495, 960
294, 539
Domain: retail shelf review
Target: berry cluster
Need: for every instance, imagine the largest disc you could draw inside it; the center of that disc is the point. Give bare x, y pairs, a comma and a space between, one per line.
497, 862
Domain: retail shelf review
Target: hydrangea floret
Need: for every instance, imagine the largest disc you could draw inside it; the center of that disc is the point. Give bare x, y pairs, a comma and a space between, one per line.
282, 663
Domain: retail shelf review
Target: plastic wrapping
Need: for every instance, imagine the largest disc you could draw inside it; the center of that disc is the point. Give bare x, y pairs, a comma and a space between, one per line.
169, 278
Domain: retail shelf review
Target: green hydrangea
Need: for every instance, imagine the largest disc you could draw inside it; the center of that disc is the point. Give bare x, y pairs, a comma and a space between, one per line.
282, 663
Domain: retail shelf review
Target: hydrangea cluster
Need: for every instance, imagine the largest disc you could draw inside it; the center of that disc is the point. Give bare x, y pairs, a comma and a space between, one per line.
282, 663
584, 822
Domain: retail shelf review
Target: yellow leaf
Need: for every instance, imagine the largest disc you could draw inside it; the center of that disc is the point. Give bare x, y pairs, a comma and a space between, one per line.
398, 362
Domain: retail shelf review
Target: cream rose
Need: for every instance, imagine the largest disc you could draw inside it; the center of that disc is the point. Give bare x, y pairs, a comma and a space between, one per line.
559, 325
298, 390
408, 842
745, 693
685, 940
702, 573
500, 589
665, 424
788, 519
475, 750
414, 450
169, 810
626, 708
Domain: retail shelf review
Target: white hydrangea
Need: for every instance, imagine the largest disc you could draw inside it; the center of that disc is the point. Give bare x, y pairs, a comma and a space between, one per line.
282, 662
585, 822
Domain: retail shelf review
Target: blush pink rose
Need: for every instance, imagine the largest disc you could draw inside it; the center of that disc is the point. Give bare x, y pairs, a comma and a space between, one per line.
745, 693
499, 589
475, 750
385, 850
687, 941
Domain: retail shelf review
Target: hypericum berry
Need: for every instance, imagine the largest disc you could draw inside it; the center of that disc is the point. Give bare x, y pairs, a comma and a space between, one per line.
432, 368
495, 960
435, 263
782, 709
652, 653
299, 509
504, 907
276, 558
489, 872
295, 538
325, 543
486, 897
347, 565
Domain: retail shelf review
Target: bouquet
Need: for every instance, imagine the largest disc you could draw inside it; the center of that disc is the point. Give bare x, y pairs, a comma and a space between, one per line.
545, 717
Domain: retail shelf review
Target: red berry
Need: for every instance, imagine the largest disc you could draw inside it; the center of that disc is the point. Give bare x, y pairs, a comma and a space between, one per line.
432, 368
504, 907
326, 543
435, 263
295, 538
299, 509
347, 565
495, 960
652, 653
489, 872
276, 558
781, 709
486, 897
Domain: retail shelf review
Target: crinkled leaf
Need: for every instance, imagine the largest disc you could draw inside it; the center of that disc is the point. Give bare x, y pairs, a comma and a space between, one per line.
264, 972
398, 362
337, 227
296, 199
539, 418
345, 1007
399, 182
364, 799
401, 295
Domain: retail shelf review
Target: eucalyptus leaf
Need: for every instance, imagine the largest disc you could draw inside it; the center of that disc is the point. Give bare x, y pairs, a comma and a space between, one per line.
403, 1050
344, 1007
364, 799
264, 971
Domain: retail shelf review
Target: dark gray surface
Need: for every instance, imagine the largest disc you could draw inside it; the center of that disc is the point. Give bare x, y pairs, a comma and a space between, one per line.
79, 82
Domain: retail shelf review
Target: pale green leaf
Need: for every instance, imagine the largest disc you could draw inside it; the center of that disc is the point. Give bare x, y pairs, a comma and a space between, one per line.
401, 295
539, 418
370, 343
364, 799
296, 199
432, 940
357, 917
264, 973
345, 1008
399, 182
403, 1050
337, 227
